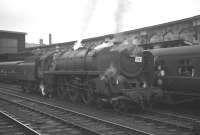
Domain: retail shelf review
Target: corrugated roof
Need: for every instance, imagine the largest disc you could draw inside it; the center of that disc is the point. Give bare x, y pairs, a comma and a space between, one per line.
12, 32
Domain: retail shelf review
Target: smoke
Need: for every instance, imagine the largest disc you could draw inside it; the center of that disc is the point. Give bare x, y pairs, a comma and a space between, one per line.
122, 7
88, 14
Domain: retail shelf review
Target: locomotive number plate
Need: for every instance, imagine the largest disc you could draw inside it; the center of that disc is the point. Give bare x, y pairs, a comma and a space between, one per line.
138, 59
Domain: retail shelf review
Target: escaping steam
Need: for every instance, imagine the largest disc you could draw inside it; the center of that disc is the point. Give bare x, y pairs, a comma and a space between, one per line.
77, 45
109, 73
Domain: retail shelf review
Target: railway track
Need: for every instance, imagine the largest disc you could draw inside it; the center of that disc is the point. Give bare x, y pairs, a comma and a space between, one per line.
40, 122
169, 122
149, 122
48, 114
173, 119
11, 126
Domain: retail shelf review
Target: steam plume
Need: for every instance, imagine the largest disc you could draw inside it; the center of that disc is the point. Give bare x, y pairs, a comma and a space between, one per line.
122, 7
90, 8
88, 13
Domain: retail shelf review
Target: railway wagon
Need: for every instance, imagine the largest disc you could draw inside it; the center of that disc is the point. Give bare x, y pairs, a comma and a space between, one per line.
120, 74
21, 72
8, 70
177, 73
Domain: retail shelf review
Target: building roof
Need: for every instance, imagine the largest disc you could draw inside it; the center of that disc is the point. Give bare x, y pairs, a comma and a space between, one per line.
157, 26
12, 32
147, 28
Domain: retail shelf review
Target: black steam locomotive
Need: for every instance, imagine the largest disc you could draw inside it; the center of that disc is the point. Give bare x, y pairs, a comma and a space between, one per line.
177, 72
119, 74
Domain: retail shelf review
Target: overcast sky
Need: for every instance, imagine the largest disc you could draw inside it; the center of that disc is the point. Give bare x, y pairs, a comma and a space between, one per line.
69, 20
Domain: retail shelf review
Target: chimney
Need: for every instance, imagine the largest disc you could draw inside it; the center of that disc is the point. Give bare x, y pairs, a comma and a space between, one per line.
41, 42
50, 39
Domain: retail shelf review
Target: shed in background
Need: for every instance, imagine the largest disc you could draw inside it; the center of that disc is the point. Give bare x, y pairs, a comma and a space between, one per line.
11, 42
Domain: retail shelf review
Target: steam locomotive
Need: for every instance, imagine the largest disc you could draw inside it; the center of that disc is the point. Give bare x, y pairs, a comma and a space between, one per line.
177, 72
121, 75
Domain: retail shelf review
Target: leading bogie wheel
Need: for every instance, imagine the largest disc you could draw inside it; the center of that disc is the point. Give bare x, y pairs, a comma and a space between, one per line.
87, 97
99, 103
119, 105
